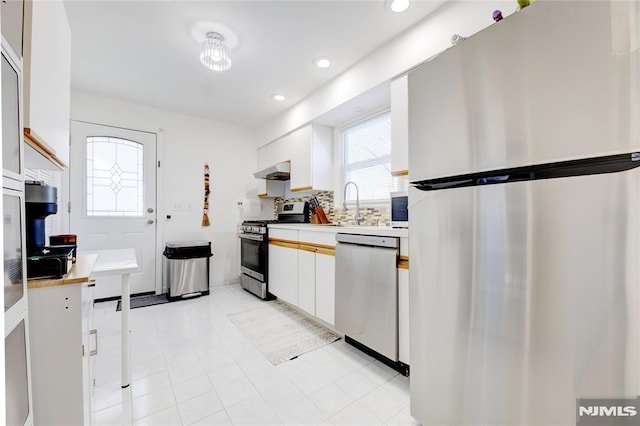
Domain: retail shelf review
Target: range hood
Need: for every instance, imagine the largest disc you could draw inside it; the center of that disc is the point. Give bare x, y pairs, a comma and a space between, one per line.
279, 171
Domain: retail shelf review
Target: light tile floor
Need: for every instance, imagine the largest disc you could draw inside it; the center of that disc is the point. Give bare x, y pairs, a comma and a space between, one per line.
191, 365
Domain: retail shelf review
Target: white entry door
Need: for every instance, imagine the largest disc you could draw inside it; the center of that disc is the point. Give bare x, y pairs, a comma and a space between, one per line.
113, 198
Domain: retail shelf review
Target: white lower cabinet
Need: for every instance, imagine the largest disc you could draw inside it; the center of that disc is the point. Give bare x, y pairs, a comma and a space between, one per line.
325, 274
316, 283
302, 271
403, 315
283, 272
302, 267
62, 343
307, 280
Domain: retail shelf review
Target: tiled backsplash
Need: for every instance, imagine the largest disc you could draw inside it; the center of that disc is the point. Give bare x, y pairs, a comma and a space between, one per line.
372, 216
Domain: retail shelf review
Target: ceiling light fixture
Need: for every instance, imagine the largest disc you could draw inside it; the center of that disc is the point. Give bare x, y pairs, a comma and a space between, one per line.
322, 62
399, 6
278, 97
213, 52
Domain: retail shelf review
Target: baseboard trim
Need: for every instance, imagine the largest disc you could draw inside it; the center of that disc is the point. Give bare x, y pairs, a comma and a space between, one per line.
149, 293
399, 366
111, 299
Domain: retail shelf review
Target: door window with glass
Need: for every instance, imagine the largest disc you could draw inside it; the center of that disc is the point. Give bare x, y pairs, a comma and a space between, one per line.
114, 177
366, 153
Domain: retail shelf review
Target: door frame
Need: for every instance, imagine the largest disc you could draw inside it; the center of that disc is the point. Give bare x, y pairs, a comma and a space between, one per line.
66, 184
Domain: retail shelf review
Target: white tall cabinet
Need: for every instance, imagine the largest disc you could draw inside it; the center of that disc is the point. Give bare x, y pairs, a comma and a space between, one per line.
17, 368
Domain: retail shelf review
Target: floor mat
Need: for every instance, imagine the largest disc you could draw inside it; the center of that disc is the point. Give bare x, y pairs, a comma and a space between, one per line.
282, 333
143, 301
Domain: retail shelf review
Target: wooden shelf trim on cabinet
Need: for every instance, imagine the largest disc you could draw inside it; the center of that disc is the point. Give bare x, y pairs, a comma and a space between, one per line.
403, 262
284, 243
36, 142
305, 246
302, 188
326, 251
400, 173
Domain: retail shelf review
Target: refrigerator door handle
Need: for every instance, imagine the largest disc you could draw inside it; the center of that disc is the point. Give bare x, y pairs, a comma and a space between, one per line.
561, 169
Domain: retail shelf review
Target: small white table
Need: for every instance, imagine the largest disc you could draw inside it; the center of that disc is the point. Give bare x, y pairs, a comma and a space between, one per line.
120, 262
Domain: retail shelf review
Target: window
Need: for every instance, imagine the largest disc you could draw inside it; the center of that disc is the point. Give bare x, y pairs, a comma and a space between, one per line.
367, 159
114, 177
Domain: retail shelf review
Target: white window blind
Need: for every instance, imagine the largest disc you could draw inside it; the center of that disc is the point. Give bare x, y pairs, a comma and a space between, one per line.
367, 159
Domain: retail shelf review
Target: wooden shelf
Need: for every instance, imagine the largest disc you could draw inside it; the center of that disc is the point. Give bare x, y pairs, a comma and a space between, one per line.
79, 273
36, 142
398, 173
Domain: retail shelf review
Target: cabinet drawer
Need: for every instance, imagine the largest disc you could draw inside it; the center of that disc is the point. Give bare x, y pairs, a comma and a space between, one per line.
283, 234
321, 238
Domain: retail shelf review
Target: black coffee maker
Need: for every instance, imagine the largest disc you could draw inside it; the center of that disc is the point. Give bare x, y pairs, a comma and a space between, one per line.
41, 200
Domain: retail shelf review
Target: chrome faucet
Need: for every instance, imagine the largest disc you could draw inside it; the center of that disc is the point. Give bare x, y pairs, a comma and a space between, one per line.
344, 201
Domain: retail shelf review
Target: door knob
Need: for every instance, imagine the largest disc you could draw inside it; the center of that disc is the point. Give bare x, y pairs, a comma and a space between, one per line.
150, 221
150, 210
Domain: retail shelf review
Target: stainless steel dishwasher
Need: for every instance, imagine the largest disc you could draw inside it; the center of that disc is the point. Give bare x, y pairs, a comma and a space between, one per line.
367, 294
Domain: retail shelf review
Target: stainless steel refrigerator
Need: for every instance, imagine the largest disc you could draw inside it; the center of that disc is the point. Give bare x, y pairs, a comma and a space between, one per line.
524, 147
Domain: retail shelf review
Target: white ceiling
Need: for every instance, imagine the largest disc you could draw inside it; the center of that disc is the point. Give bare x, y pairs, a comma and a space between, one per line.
143, 51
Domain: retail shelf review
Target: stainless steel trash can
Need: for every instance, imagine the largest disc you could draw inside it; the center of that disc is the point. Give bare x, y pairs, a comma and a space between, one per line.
185, 271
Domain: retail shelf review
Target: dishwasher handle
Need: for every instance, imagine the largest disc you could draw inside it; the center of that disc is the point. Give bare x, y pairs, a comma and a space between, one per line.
369, 240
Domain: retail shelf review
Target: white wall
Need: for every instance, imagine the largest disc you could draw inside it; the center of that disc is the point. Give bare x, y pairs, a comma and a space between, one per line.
187, 143
425, 39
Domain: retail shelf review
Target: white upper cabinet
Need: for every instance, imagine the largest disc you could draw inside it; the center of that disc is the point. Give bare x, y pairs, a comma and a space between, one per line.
268, 155
278, 151
12, 21
400, 126
47, 79
310, 149
273, 153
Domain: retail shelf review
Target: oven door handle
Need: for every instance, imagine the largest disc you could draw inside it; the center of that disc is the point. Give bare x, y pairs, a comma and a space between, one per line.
253, 237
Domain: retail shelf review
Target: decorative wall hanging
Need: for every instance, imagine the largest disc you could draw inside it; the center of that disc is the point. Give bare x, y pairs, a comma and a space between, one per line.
205, 210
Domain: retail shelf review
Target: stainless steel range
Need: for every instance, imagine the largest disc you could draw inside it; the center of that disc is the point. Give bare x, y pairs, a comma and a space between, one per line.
254, 247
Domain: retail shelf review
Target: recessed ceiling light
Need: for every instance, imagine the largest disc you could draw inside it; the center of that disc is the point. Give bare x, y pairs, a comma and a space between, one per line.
278, 97
399, 6
322, 62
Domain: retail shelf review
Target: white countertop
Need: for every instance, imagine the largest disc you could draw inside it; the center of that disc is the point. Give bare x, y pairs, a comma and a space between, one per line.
386, 231
115, 262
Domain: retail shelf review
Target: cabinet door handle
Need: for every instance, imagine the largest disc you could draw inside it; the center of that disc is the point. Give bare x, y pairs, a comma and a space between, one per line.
95, 333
